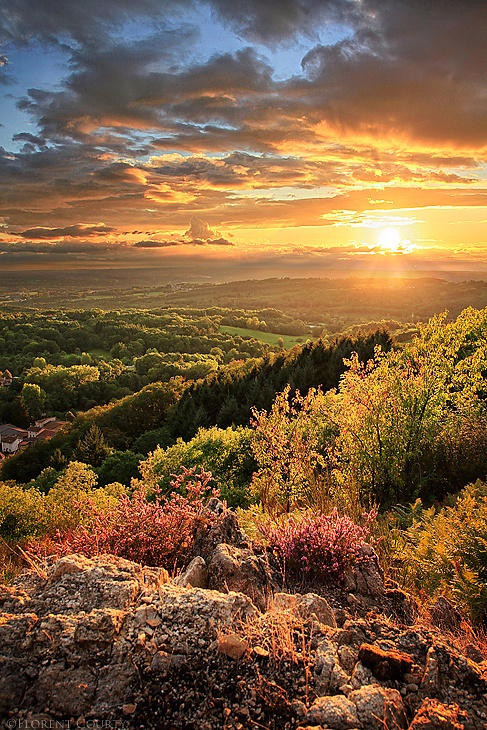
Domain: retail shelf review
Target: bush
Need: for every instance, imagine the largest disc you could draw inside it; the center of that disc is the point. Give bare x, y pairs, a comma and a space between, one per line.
318, 546
157, 533
22, 513
226, 453
29, 513
445, 552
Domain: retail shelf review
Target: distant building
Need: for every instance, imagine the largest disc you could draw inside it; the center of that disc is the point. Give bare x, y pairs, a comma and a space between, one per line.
13, 438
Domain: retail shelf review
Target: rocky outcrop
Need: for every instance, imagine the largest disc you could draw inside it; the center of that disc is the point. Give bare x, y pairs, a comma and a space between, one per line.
109, 641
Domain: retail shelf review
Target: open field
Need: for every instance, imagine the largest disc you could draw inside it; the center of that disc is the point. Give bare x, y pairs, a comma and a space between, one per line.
270, 338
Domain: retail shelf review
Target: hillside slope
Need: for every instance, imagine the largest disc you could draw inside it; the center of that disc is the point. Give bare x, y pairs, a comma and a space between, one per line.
108, 640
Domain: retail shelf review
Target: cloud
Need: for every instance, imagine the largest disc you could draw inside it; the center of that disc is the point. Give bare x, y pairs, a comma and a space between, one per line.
199, 229
150, 129
407, 71
75, 231
156, 244
22, 21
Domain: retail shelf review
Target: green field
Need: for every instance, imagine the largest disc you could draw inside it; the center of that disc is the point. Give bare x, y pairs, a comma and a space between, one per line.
270, 338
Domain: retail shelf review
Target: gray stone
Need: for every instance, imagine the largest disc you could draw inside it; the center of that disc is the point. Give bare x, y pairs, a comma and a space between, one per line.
379, 707
336, 713
195, 575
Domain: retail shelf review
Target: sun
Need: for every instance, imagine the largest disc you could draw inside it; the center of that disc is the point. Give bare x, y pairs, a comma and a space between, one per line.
389, 240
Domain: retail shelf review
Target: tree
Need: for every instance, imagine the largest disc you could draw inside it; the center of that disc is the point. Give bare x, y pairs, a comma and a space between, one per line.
227, 453
393, 411
290, 447
119, 466
93, 447
33, 399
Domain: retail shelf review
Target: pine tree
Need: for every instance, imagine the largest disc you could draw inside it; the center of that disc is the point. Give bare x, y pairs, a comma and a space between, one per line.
93, 448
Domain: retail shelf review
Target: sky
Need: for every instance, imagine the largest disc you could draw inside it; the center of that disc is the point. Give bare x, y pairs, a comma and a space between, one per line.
336, 133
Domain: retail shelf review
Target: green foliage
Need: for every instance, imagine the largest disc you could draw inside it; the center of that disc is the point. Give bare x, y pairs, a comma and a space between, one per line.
93, 447
22, 512
227, 397
226, 453
30, 513
46, 479
446, 551
119, 466
33, 399
290, 447
396, 413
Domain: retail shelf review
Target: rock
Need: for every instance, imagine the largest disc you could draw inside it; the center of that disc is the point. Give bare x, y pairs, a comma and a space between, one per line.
238, 569
306, 607
232, 645
336, 713
78, 584
379, 708
163, 662
225, 530
474, 653
316, 606
433, 715
98, 624
71, 694
445, 615
431, 683
365, 576
70, 564
329, 675
385, 664
195, 575
100, 634
361, 676
404, 607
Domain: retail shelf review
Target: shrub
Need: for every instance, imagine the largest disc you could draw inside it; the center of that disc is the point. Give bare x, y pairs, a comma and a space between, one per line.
22, 512
445, 551
157, 533
29, 513
226, 453
317, 546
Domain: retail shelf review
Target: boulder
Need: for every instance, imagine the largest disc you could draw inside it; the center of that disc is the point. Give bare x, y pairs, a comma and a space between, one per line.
195, 575
336, 713
445, 615
434, 715
233, 568
224, 530
308, 606
365, 576
379, 707
390, 664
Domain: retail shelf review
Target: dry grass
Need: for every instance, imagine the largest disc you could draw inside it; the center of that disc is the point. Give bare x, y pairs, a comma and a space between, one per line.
463, 637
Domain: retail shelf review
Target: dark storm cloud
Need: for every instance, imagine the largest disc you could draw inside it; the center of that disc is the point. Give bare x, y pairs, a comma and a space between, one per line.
413, 69
85, 21
118, 87
275, 21
271, 21
410, 70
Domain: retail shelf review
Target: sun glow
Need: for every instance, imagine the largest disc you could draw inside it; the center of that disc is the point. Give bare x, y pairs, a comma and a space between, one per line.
390, 240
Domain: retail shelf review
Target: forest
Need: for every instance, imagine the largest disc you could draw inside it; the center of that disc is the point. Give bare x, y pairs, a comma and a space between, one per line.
164, 407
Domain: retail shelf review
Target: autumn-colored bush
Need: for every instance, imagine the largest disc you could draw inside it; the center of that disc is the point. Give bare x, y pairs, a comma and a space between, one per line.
157, 532
445, 552
315, 545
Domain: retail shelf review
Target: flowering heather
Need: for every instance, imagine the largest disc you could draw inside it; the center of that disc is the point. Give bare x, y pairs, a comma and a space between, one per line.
158, 533
318, 546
